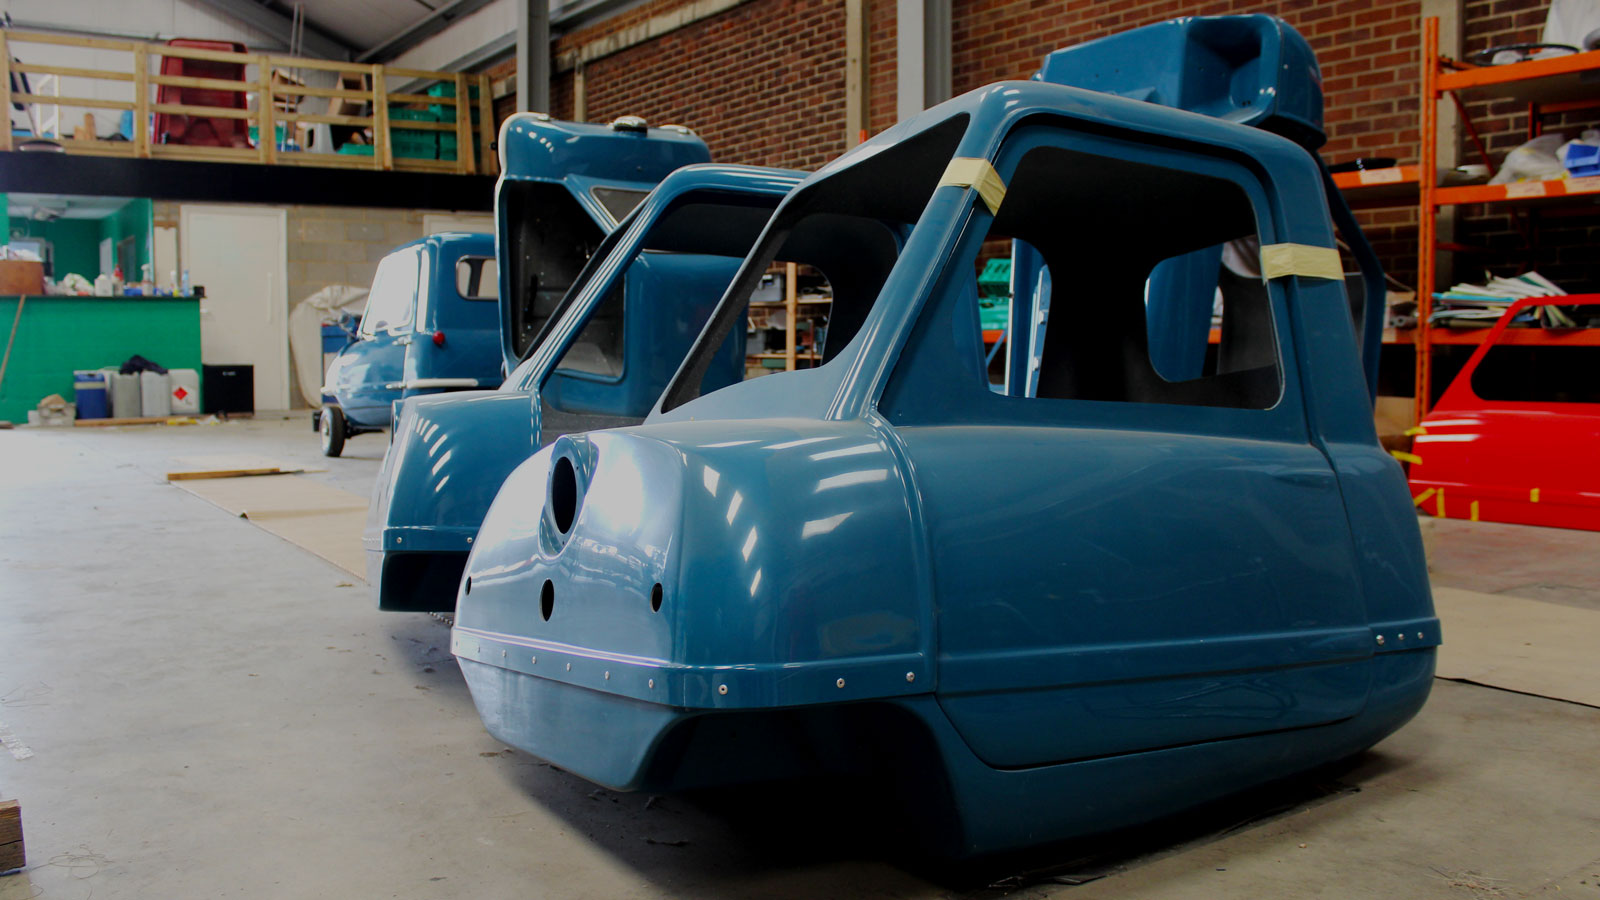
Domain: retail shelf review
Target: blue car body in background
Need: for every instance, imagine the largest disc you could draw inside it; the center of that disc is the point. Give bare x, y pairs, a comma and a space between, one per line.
431, 324
602, 359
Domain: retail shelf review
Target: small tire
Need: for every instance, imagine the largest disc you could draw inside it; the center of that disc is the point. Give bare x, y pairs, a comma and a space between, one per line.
333, 429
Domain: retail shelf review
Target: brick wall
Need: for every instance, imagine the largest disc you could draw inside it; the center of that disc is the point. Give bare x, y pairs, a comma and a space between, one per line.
763, 82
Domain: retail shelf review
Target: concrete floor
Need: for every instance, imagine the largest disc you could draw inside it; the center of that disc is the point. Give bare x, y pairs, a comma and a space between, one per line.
215, 712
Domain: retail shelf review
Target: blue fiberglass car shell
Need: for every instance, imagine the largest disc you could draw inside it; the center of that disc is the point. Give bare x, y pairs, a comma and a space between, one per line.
668, 265
431, 324
1061, 613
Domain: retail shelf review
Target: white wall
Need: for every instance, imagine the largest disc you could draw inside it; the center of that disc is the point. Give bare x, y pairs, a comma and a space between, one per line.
463, 37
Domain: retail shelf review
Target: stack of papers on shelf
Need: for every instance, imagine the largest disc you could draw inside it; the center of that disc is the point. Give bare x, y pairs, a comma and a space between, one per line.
1482, 304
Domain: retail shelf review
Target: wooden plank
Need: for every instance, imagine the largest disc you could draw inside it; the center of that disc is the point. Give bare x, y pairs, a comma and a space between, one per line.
791, 298
421, 126
5, 93
141, 104
219, 84
466, 163
295, 90
322, 65
39, 37
96, 148
420, 74
419, 98
383, 147
210, 112
200, 53
327, 119
230, 473
266, 129
135, 420
406, 163
85, 102
70, 71
13, 854
203, 154
488, 163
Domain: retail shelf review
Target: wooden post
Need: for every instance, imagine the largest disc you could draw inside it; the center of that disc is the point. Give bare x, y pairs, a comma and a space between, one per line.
266, 121
382, 149
1427, 180
466, 162
5, 92
141, 101
791, 304
13, 855
488, 162
855, 71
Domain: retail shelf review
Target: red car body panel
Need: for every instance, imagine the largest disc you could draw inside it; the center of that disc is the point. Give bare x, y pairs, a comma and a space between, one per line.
1526, 462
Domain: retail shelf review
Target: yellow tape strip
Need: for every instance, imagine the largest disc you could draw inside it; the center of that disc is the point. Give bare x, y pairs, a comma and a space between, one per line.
1439, 505
1533, 495
1422, 498
1414, 430
1278, 260
971, 172
1474, 508
1406, 457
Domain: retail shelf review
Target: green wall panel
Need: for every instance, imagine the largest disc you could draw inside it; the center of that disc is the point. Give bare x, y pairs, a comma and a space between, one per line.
59, 334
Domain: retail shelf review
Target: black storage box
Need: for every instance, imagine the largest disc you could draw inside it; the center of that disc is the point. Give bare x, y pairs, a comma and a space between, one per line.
228, 389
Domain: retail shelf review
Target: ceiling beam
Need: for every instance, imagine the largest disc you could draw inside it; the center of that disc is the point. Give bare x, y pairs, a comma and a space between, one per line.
315, 43
419, 31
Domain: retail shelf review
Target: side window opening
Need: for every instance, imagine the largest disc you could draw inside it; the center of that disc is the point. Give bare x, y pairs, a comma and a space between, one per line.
478, 278
392, 298
844, 233
618, 202
549, 238
1143, 264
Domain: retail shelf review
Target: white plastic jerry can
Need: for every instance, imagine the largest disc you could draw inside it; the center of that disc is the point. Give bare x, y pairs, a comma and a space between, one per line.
153, 394
185, 390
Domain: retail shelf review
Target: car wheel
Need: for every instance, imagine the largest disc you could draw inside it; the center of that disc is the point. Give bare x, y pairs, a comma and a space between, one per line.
333, 431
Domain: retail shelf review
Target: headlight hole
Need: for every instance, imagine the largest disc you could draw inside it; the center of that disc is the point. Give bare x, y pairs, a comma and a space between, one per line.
547, 599
563, 494
469, 585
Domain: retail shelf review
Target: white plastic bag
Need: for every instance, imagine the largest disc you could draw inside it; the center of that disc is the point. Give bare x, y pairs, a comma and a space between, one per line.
1534, 161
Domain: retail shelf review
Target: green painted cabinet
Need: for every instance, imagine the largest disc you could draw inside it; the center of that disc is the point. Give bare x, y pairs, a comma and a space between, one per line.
57, 335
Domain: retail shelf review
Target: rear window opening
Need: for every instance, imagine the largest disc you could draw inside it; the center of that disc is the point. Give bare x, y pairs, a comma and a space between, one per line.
478, 278
549, 237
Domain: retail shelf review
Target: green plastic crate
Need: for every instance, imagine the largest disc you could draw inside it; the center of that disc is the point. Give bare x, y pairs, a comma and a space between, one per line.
353, 149
406, 114
410, 143
445, 112
995, 279
447, 145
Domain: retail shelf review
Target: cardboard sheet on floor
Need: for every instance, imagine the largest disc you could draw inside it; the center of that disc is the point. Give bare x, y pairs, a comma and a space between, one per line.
320, 518
1518, 644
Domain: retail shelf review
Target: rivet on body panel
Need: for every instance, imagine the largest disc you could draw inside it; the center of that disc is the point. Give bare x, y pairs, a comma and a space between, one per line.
608, 676
839, 683
1419, 635
1380, 640
533, 660
910, 677
722, 689
569, 665
1401, 635
650, 684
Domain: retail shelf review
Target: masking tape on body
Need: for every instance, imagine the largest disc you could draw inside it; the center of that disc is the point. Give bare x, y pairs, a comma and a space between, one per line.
971, 172
1278, 260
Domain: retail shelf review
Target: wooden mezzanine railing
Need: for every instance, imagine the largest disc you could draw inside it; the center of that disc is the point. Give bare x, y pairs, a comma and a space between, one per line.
146, 80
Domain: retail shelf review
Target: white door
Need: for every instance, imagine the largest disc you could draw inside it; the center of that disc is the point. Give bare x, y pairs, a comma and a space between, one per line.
239, 255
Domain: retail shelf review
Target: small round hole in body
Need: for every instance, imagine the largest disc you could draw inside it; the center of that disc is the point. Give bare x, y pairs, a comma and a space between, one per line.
655, 598
563, 494
547, 599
